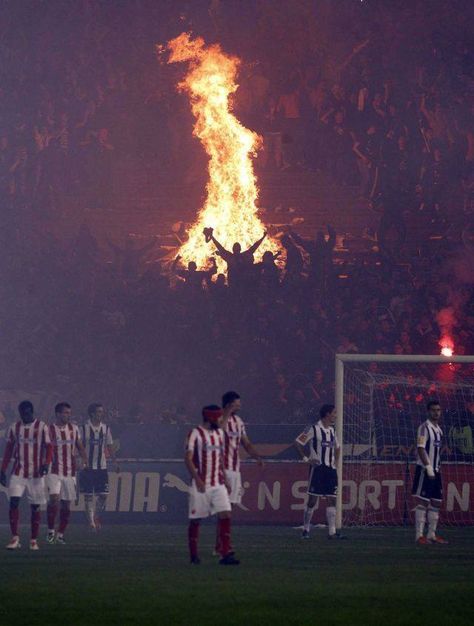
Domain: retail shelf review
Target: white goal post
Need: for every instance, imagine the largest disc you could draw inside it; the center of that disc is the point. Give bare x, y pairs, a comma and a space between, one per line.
342, 362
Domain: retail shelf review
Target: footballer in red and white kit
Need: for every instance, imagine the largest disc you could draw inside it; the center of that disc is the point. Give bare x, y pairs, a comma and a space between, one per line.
235, 435
28, 443
61, 481
208, 494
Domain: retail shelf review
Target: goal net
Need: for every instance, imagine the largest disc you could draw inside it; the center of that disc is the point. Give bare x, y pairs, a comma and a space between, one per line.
381, 400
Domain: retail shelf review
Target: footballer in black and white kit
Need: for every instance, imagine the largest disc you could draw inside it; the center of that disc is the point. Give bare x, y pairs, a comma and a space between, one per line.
324, 450
427, 488
94, 481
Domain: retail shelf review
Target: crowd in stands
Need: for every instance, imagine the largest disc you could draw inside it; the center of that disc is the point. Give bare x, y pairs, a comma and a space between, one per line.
151, 343
148, 342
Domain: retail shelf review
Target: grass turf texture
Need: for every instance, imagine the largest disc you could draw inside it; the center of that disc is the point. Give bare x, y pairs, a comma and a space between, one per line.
131, 575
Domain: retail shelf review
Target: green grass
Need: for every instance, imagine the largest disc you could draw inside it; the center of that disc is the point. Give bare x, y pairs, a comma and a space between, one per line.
140, 575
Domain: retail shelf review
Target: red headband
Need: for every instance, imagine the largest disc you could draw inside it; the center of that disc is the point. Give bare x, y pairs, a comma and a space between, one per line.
212, 415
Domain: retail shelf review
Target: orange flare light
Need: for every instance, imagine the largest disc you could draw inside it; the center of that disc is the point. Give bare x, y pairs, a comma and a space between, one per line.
447, 346
230, 207
447, 351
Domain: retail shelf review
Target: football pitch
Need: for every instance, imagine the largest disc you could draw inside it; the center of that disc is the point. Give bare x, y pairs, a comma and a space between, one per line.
141, 575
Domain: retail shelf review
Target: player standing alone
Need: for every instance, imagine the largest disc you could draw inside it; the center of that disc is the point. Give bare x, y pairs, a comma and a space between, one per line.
61, 481
323, 457
427, 485
29, 444
208, 494
94, 479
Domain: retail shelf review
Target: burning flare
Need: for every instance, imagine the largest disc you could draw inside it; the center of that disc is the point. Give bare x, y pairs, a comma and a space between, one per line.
447, 346
447, 350
230, 208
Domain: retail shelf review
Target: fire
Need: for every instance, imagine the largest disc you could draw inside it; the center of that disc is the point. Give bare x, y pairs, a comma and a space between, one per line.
230, 207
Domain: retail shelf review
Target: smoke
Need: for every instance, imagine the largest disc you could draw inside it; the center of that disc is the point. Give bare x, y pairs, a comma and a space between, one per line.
458, 272
449, 317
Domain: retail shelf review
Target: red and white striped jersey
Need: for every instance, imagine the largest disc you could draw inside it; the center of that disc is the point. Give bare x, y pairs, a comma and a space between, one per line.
234, 430
64, 440
28, 445
207, 447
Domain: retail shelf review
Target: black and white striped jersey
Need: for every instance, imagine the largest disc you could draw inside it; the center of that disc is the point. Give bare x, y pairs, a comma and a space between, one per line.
429, 437
95, 440
323, 443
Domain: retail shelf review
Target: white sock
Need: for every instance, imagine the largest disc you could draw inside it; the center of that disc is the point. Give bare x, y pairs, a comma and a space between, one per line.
433, 517
420, 520
331, 519
90, 511
308, 514
100, 503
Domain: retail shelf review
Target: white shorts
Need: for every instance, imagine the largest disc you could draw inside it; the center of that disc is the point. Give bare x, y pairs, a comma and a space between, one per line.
213, 500
62, 486
35, 489
235, 482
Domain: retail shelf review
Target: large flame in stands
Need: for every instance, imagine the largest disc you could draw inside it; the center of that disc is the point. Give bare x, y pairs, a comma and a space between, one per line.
230, 208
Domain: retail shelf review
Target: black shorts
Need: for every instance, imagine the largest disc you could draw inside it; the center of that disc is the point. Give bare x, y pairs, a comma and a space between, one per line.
94, 481
322, 481
427, 488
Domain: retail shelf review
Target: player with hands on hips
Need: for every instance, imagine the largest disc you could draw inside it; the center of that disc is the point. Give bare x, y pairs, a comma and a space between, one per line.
324, 451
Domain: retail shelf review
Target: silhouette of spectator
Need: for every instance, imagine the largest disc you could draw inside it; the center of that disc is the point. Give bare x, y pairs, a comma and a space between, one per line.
294, 259
193, 277
239, 264
320, 253
129, 258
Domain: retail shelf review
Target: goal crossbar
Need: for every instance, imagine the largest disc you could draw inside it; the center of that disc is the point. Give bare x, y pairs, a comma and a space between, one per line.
339, 395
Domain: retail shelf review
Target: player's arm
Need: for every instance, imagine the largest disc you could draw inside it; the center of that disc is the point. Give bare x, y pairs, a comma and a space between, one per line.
188, 460
251, 450
109, 442
47, 449
301, 451
421, 452
302, 441
227, 484
82, 452
337, 452
7, 455
111, 453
